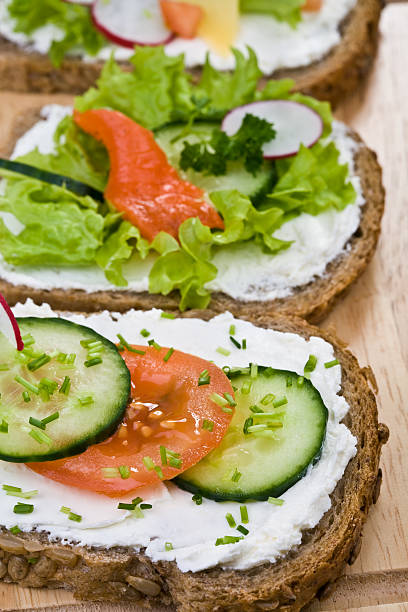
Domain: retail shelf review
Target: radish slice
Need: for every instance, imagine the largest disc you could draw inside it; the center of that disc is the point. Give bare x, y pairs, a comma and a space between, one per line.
295, 124
129, 23
83, 2
8, 324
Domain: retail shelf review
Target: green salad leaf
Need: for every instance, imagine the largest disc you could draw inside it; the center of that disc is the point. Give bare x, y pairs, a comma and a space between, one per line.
78, 31
63, 229
282, 10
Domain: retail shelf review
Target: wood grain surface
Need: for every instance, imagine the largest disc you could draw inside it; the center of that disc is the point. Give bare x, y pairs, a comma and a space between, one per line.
373, 319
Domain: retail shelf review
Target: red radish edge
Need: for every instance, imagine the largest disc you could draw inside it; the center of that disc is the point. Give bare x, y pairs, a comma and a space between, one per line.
14, 324
125, 42
292, 153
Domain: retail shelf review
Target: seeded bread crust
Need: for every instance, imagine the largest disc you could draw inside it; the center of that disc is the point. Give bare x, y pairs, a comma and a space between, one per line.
333, 77
312, 301
309, 570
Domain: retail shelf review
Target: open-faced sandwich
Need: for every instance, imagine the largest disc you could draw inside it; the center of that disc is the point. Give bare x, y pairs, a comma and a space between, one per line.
207, 465
327, 46
155, 192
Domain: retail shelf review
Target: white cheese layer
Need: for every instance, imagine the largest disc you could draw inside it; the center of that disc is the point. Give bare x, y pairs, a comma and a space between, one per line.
276, 44
245, 272
192, 529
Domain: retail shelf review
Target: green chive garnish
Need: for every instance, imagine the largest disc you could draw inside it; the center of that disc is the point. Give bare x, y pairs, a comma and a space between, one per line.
168, 315
244, 514
223, 351
61, 357
93, 362
280, 402
235, 342
154, 344
204, 378
300, 381
310, 363
137, 500
197, 499
128, 347
236, 475
228, 540
15, 530
248, 423
124, 472
267, 399
33, 560
11, 488
40, 437
38, 363
26, 396
145, 333
230, 399
65, 510
23, 494
122, 506
28, 340
168, 354
275, 501
246, 387
288, 381
218, 399
49, 419
74, 517
66, 385
27, 385
208, 425
137, 513
163, 455
331, 364
86, 400
148, 462
70, 360
244, 343
175, 462
36, 423
230, 520
256, 409
110, 472
243, 529
168, 546
21, 508
146, 506
4, 367
254, 370
232, 330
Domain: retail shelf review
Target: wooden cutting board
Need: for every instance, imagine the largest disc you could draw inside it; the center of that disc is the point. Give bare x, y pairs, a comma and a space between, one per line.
373, 319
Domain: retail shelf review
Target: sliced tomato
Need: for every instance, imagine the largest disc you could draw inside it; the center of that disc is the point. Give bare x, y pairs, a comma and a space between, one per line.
312, 5
168, 408
181, 18
142, 184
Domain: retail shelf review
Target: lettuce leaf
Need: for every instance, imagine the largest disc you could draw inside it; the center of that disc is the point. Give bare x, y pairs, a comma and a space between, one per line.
74, 21
282, 10
60, 228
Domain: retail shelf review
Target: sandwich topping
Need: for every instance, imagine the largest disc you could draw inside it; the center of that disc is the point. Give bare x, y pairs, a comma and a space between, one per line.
190, 194
283, 33
244, 414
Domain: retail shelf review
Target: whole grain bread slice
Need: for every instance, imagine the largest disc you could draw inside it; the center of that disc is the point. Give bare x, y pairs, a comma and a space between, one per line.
337, 74
120, 574
312, 301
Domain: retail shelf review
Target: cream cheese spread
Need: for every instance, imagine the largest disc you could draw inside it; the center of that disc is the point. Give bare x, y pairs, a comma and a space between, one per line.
275, 43
245, 272
174, 517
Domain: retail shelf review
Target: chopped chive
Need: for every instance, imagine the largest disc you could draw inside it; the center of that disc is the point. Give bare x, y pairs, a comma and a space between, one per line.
300, 381
288, 381
15, 530
275, 501
86, 343
148, 462
61, 357
230, 399
65, 510
38, 363
243, 529
197, 499
124, 472
70, 360
33, 560
268, 416
168, 315
168, 354
246, 387
36, 423
86, 400
23, 494
146, 506
331, 364
254, 370
40, 437
159, 471
267, 399
74, 517
168, 546
4, 367
93, 362
163, 455
137, 500
310, 363
94, 344
235, 342
175, 462
66, 385
236, 475
280, 402
226, 369
28, 340
256, 410
145, 333
122, 506
208, 425
218, 399
26, 396
128, 347
223, 351
244, 514
204, 378
121, 348
27, 385
248, 423
226, 409
228, 540
255, 428
137, 513
11, 488
244, 343
154, 344
110, 472
20, 508
232, 330
230, 520
49, 419
3, 426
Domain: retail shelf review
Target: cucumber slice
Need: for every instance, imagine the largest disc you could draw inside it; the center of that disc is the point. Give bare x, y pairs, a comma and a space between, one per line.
171, 139
88, 412
268, 461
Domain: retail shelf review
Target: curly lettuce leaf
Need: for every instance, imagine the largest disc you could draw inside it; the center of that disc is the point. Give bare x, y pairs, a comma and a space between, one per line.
72, 19
60, 228
282, 10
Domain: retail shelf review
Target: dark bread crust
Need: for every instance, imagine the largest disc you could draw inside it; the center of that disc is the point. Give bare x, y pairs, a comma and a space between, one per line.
331, 78
312, 301
288, 584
